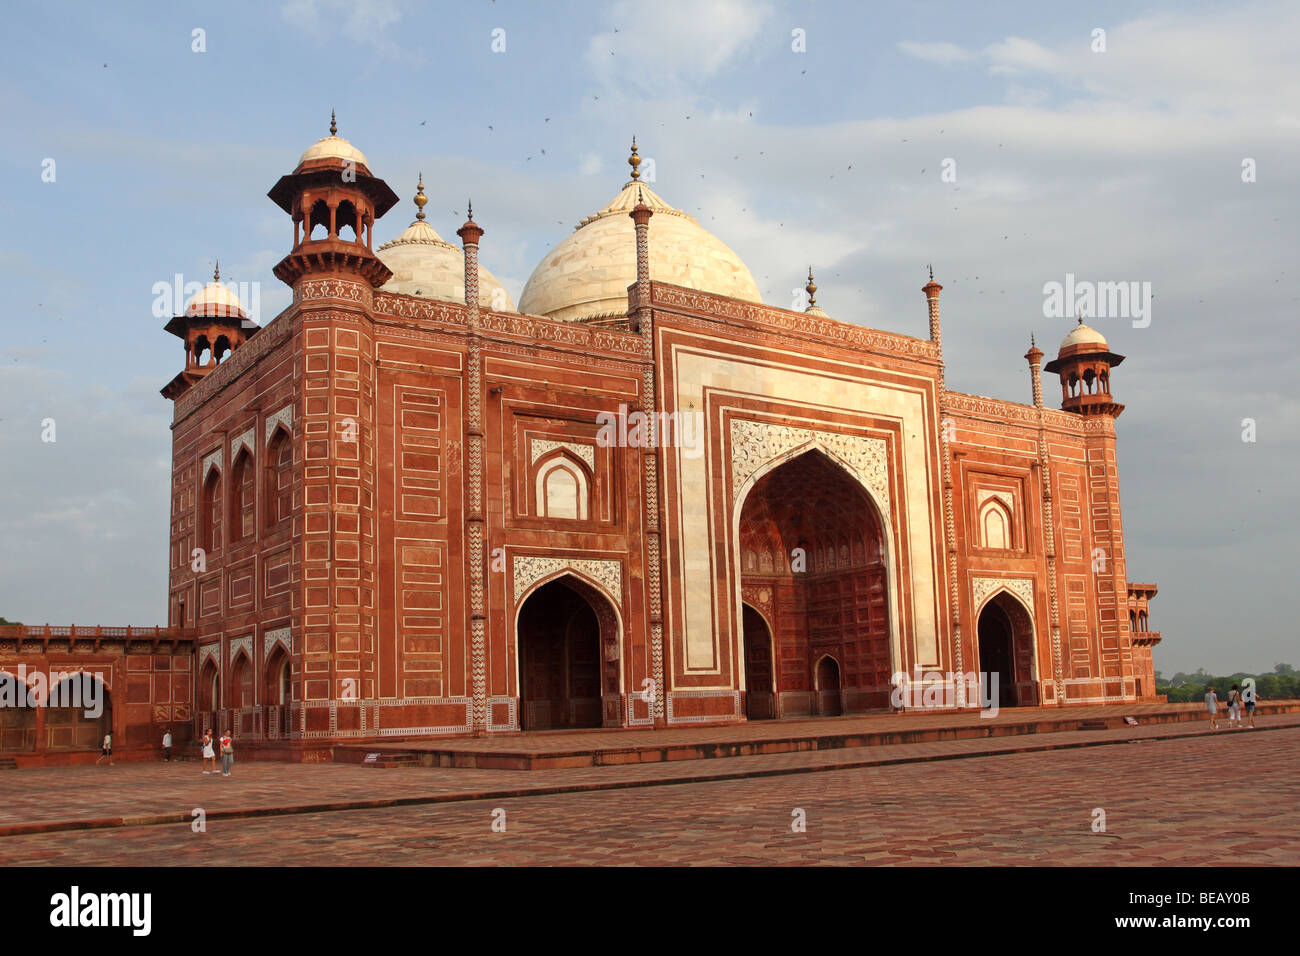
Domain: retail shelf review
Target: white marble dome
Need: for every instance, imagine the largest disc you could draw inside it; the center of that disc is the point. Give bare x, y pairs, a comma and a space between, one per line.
333, 147
1083, 335
586, 276
215, 299
425, 264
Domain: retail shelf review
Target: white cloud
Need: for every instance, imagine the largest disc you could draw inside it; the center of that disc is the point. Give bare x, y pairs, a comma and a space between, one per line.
668, 45
945, 54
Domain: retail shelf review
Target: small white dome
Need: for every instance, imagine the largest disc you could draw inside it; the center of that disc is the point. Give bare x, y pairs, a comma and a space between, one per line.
1083, 335
333, 147
425, 264
215, 299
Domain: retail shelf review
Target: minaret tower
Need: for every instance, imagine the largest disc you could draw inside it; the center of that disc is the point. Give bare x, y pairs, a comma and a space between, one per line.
337, 655
333, 191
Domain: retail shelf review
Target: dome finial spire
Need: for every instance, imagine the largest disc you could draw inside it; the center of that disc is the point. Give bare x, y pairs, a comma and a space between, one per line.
334, 127
216, 272
469, 209
811, 289
634, 161
420, 199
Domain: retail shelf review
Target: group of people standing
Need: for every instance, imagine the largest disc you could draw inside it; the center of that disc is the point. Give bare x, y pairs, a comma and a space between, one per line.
1236, 702
227, 746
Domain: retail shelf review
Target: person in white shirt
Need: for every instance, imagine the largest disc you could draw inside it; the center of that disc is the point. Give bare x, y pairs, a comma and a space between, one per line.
106, 751
167, 746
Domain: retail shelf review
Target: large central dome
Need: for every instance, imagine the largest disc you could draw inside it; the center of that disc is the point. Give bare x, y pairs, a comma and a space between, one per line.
586, 276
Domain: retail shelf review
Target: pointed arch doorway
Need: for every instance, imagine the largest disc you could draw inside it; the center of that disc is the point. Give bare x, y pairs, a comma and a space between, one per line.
1006, 648
760, 703
568, 651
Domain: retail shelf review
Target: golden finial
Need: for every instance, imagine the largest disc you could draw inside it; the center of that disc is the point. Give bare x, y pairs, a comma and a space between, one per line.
811, 289
216, 273
420, 198
634, 160
334, 127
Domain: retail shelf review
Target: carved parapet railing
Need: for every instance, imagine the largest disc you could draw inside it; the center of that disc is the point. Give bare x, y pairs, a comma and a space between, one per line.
44, 637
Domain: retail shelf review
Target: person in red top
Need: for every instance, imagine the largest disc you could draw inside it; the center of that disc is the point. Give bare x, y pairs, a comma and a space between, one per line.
227, 753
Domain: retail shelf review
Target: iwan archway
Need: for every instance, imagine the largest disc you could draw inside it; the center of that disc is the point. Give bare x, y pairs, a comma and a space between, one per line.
567, 635
813, 550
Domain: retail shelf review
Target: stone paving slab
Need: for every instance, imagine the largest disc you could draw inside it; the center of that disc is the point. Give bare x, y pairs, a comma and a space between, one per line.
1167, 801
141, 794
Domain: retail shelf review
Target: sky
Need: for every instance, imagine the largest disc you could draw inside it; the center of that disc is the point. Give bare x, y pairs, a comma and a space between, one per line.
996, 141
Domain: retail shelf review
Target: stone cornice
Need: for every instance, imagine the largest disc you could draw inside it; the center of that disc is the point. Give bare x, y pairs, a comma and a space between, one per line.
798, 325
1012, 412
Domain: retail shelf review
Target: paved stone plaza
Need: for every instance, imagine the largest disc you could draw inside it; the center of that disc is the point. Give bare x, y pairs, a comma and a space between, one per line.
1168, 794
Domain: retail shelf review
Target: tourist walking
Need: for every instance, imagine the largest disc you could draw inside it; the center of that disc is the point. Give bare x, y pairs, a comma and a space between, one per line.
1234, 708
106, 750
227, 753
208, 753
1249, 698
167, 746
1212, 705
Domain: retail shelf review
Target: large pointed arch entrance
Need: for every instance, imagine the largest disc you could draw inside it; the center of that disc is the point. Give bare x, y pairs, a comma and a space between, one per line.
568, 651
812, 557
1006, 648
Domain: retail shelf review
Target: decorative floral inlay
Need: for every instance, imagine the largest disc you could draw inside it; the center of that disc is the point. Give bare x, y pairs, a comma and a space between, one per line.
283, 417
540, 446
754, 444
244, 644
212, 461
1022, 588
279, 636
528, 569
243, 441
1003, 496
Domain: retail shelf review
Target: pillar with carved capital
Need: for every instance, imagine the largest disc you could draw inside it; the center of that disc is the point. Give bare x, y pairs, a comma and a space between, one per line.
641, 320
932, 290
475, 531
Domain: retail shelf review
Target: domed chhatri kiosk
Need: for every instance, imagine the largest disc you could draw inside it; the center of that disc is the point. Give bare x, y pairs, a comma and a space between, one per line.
413, 523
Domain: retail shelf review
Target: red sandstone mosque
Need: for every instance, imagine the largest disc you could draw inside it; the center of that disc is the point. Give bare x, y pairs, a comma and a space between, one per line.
409, 507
